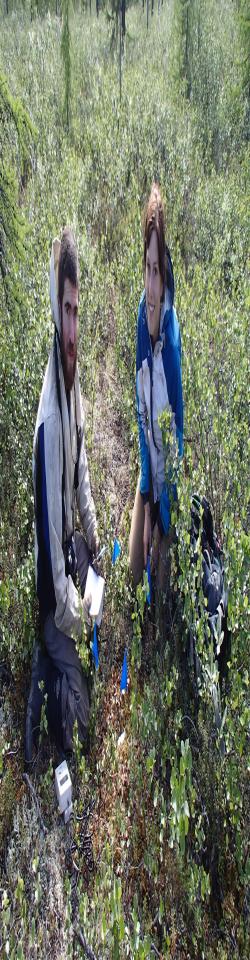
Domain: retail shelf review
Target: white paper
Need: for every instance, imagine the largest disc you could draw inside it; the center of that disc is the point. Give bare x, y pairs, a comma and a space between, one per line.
95, 586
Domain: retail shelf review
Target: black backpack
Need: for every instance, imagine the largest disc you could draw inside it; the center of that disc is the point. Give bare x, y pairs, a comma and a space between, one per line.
213, 578
213, 581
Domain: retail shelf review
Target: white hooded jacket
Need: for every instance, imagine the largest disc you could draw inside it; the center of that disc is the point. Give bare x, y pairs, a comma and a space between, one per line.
54, 510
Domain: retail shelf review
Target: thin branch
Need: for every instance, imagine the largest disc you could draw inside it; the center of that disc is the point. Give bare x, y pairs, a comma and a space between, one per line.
186, 717
154, 950
33, 792
82, 940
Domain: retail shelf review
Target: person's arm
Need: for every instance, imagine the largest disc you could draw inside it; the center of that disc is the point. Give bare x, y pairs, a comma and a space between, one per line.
85, 501
142, 417
64, 598
174, 385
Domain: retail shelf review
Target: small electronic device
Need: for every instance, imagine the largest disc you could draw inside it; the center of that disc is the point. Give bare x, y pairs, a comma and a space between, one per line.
63, 786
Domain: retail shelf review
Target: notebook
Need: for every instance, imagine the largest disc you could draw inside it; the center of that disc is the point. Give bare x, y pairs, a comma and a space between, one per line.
95, 586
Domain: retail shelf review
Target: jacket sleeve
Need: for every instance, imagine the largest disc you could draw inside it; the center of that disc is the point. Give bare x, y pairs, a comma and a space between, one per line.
174, 385
142, 417
64, 598
84, 498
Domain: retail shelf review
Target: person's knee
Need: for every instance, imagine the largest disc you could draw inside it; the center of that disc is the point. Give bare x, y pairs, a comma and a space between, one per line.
77, 713
65, 708
135, 562
135, 546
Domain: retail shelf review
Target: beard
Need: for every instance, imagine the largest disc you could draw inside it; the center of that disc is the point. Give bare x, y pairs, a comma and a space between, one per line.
68, 365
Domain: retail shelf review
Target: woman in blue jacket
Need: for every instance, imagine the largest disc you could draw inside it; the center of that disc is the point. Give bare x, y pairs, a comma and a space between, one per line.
158, 388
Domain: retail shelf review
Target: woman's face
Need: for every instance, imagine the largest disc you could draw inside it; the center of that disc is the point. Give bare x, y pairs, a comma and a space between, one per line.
153, 286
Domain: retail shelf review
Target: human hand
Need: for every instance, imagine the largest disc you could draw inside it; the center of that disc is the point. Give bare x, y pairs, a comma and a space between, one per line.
147, 533
98, 561
86, 604
95, 544
156, 539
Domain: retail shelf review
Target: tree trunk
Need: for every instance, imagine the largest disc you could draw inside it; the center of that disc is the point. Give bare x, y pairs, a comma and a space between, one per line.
97, 8
199, 30
147, 12
120, 51
187, 56
123, 5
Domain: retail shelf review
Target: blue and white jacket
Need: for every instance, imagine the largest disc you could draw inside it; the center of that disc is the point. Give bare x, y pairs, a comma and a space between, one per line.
158, 388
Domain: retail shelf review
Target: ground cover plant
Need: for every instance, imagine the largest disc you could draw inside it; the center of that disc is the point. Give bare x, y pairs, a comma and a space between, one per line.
159, 865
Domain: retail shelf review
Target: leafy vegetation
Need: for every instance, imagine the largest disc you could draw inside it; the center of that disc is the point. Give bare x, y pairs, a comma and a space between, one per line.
169, 829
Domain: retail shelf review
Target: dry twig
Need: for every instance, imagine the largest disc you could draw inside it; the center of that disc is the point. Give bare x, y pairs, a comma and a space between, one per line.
89, 953
33, 792
155, 951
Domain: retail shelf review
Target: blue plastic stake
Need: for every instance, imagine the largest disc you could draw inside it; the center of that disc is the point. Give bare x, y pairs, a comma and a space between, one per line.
124, 676
95, 648
116, 551
149, 581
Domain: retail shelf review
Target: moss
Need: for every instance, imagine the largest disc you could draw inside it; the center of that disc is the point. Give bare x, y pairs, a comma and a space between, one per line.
8, 791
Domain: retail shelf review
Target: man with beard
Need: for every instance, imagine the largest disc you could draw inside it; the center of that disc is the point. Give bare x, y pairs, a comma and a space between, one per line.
62, 555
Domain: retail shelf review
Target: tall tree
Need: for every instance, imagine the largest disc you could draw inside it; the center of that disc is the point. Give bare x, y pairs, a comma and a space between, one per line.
66, 56
185, 15
244, 17
123, 4
116, 14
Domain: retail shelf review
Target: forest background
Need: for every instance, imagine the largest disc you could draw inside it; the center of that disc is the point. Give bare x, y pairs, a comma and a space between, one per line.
94, 105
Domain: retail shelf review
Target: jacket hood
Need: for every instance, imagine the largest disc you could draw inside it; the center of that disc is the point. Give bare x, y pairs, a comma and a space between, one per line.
54, 261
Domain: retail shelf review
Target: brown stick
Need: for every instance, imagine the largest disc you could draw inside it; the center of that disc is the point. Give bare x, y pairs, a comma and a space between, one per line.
82, 940
33, 792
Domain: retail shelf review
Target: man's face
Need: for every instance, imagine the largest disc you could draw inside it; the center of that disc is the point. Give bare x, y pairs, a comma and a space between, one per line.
69, 332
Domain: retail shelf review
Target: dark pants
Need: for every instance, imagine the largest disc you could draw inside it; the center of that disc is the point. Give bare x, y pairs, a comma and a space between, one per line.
74, 694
